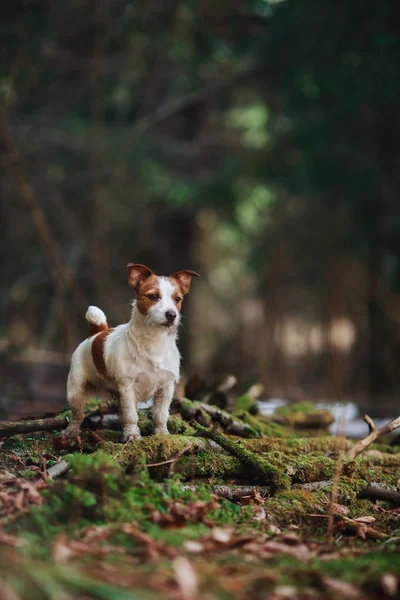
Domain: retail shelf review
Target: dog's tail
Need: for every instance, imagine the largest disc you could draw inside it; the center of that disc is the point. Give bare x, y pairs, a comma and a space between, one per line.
97, 320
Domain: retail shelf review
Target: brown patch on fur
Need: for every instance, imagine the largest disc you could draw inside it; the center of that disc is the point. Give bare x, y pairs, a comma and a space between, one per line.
137, 274
93, 328
176, 294
98, 352
183, 279
146, 287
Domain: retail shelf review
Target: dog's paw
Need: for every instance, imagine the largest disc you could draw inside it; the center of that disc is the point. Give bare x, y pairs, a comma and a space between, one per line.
70, 433
130, 436
162, 430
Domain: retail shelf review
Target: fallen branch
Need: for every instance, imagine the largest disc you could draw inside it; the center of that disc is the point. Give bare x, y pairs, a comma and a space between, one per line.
230, 424
257, 466
363, 530
8, 428
191, 411
372, 436
92, 421
233, 493
370, 423
380, 491
373, 491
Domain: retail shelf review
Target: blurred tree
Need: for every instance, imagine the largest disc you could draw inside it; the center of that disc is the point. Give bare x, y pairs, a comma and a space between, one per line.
254, 141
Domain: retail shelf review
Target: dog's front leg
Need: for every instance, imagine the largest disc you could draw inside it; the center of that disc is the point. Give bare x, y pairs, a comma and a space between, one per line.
129, 414
160, 411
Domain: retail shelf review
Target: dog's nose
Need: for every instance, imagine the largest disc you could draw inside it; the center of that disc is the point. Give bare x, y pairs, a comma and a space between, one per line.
170, 315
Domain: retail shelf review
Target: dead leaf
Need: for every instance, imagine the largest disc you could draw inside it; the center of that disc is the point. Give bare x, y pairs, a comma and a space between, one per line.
10, 540
339, 509
293, 539
390, 584
186, 577
259, 513
301, 552
367, 519
222, 535
274, 529
345, 589
193, 547
178, 513
61, 552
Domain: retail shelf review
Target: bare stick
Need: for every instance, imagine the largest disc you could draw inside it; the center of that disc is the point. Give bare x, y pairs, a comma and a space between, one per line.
8, 428
372, 436
370, 423
373, 490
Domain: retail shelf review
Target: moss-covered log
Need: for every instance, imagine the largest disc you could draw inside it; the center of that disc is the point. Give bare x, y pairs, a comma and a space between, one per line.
257, 466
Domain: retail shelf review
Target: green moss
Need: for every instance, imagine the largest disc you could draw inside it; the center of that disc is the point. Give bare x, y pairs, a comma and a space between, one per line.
361, 569
303, 415
192, 410
290, 507
208, 464
296, 408
247, 404
28, 447
260, 426
153, 449
177, 426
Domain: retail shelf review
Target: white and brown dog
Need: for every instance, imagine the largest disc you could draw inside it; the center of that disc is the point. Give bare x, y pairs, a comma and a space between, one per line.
137, 360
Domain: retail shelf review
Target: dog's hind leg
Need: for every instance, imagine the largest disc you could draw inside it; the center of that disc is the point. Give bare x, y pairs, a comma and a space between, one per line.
77, 394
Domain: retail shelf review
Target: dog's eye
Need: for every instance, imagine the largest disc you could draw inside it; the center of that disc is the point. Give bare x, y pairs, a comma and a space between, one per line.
177, 299
153, 297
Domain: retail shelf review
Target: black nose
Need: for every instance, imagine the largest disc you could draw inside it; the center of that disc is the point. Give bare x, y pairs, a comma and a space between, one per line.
170, 315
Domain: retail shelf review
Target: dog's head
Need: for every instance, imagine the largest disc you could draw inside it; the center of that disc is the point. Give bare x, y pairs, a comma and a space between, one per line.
159, 298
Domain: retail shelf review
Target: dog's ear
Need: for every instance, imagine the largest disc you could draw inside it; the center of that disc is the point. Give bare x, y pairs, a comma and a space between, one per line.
184, 278
137, 274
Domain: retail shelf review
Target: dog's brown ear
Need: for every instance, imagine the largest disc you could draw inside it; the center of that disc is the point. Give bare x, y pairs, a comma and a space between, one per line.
184, 278
137, 274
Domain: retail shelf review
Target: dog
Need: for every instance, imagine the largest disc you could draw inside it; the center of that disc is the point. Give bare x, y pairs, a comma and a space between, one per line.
134, 361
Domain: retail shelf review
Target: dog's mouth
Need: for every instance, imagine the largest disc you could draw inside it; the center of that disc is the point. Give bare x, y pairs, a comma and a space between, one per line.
168, 324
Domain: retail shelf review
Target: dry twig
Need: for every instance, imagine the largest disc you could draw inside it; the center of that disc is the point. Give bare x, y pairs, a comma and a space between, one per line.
372, 436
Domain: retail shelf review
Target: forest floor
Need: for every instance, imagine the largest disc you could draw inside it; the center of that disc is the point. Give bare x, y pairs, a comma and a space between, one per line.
252, 508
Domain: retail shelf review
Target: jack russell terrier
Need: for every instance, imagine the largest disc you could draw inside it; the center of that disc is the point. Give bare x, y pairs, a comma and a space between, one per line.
135, 361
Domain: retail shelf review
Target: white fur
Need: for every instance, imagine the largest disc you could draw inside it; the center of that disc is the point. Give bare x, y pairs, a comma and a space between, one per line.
156, 315
95, 315
142, 360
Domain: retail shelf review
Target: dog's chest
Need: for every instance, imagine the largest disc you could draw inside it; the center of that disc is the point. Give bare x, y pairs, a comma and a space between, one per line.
148, 382
156, 366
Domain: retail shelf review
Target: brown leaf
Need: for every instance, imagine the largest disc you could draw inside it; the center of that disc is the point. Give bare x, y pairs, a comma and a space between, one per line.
345, 589
259, 513
10, 540
193, 546
186, 577
222, 535
293, 539
390, 584
6, 476
61, 443
367, 519
178, 513
339, 509
301, 552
